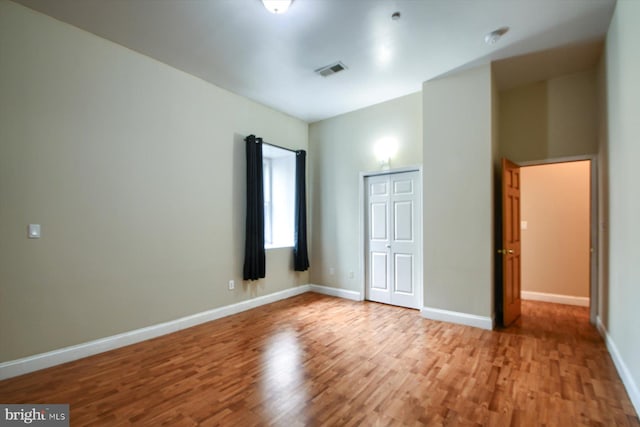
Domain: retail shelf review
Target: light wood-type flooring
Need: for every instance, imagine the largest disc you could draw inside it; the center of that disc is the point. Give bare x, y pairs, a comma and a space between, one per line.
314, 360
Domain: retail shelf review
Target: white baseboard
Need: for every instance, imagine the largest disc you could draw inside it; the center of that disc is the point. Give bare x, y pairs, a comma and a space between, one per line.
457, 317
601, 328
621, 366
36, 362
336, 292
555, 298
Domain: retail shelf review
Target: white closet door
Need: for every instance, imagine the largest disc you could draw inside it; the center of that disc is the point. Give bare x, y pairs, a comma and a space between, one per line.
393, 264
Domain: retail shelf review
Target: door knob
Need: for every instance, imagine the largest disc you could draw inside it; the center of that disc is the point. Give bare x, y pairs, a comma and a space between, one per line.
501, 251
510, 251
388, 246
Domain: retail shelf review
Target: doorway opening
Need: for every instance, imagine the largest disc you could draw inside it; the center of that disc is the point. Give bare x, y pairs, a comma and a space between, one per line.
557, 231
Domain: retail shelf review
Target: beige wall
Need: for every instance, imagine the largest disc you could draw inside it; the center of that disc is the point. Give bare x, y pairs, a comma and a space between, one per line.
603, 193
555, 203
623, 145
550, 119
495, 124
572, 112
339, 149
135, 171
458, 192
523, 122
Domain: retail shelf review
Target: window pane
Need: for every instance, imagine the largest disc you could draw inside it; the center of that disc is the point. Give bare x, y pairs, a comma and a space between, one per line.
279, 189
266, 178
268, 228
268, 207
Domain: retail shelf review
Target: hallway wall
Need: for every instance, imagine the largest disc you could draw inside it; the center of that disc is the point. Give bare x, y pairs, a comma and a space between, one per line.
550, 119
621, 320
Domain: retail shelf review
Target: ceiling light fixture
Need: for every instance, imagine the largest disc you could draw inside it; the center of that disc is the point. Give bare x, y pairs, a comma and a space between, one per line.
494, 36
384, 54
277, 6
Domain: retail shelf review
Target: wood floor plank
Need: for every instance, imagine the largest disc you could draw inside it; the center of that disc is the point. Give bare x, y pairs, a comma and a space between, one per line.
314, 360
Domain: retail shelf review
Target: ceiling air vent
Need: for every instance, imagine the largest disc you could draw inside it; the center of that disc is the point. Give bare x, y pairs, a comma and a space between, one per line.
331, 69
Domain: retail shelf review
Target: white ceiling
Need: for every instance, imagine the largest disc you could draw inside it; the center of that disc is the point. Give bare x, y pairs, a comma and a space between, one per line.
239, 46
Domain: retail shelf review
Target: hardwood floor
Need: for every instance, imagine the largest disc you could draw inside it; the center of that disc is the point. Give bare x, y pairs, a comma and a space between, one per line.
315, 360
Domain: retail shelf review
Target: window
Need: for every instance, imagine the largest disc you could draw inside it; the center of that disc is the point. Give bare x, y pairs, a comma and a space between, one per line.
268, 206
279, 176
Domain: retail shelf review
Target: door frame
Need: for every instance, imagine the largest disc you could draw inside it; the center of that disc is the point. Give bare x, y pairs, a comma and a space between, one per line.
362, 224
594, 296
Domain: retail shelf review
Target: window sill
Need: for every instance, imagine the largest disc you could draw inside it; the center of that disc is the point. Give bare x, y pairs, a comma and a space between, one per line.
278, 247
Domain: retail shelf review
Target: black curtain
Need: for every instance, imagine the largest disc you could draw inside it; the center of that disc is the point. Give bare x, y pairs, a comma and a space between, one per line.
254, 256
300, 255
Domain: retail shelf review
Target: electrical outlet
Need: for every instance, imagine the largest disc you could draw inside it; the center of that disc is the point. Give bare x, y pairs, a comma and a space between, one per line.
332, 271
232, 285
34, 231
351, 275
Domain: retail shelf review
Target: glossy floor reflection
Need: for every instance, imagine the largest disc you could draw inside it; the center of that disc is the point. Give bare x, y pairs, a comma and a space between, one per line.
314, 360
283, 379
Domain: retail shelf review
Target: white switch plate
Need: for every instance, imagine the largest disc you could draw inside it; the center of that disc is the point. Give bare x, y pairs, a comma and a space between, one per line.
523, 225
34, 231
232, 285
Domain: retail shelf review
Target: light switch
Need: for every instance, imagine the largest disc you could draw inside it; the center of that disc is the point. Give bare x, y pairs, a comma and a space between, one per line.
523, 225
34, 231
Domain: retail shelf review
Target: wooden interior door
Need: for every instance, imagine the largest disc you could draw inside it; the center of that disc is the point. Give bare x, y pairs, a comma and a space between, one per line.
510, 251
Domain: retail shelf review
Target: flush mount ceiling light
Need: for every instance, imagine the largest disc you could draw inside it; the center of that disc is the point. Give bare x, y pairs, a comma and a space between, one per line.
494, 36
384, 54
277, 6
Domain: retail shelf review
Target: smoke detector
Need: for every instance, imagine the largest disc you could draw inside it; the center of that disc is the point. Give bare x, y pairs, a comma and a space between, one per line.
331, 69
494, 36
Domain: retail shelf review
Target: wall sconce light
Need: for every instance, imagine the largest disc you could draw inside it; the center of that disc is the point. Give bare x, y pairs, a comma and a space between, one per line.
384, 150
277, 6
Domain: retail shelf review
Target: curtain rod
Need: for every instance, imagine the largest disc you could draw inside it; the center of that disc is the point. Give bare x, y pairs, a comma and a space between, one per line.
274, 145
282, 148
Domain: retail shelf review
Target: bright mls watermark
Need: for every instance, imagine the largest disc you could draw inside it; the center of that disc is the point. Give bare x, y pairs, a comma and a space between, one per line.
37, 415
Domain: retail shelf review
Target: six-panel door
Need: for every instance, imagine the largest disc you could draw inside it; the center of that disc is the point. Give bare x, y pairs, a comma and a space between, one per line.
393, 239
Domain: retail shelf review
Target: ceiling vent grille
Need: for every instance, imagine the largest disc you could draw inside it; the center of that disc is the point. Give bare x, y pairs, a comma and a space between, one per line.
331, 69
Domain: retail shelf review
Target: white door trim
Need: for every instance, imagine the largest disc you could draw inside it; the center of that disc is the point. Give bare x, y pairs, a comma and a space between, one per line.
362, 225
594, 295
